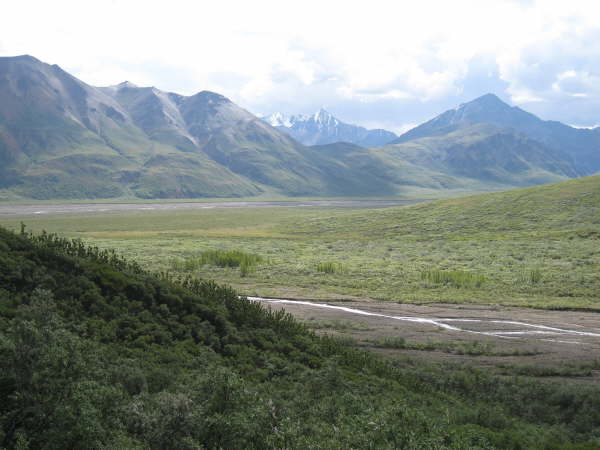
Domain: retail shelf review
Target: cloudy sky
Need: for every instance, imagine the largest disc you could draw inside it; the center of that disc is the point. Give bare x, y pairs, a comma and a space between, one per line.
389, 64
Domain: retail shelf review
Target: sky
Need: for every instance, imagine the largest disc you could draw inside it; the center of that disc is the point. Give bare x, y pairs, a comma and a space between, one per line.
389, 64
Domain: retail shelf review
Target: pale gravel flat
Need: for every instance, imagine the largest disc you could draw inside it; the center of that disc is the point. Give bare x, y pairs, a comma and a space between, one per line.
104, 208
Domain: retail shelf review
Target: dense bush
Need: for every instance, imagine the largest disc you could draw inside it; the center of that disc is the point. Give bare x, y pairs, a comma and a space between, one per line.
97, 353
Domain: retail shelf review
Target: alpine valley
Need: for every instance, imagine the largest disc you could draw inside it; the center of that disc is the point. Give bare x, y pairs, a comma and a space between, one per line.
61, 138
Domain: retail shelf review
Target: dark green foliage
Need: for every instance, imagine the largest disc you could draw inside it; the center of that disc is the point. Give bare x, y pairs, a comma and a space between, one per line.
97, 353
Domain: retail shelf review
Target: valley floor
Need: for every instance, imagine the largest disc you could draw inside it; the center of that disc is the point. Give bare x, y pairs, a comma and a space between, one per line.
552, 269
508, 341
329, 254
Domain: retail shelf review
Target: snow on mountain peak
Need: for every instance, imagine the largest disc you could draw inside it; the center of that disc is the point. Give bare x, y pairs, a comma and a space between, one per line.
278, 119
322, 127
324, 117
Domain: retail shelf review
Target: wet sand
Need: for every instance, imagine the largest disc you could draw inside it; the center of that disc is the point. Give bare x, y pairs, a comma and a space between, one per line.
556, 337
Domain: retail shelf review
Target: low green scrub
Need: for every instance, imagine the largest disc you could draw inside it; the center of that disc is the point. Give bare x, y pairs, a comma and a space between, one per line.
220, 258
330, 267
566, 370
531, 276
338, 325
471, 348
455, 278
390, 342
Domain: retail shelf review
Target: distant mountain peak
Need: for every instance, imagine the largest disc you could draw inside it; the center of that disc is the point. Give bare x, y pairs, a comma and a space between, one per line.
488, 108
488, 98
487, 101
325, 117
278, 119
323, 128
20, 58
210, 97
127, 84
322, 112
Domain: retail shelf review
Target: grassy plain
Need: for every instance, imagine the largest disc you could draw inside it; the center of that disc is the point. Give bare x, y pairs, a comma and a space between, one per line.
536, 247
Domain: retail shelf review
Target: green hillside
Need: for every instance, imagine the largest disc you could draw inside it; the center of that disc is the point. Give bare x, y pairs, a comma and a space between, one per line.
98, 353
567, 209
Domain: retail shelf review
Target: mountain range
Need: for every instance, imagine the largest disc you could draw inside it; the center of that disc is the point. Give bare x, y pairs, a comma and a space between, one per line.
62, 138
578, 147
322, 128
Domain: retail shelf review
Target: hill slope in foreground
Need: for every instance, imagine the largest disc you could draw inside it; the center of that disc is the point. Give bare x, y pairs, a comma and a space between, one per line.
97, 353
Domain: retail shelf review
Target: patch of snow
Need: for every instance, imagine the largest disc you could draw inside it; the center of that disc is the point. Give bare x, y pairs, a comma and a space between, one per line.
278, 119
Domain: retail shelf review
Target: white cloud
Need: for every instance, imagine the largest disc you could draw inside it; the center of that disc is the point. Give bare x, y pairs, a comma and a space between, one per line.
400, 62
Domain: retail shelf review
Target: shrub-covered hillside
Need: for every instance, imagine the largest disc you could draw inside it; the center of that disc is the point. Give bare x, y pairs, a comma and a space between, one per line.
97, 353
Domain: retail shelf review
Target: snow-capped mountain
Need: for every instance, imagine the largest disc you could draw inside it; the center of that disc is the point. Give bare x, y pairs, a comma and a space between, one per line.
322, 128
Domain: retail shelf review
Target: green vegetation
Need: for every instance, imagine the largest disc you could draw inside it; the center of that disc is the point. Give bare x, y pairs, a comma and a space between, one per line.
565, 370
220, 258
330, 267
337, 325
531, 247
471, 348
97, 352
456, 278
533, 276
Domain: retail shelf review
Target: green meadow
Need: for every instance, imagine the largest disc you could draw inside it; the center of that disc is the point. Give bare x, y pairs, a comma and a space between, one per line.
537, 247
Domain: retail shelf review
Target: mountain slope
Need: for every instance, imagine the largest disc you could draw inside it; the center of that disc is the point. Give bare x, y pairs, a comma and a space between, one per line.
486, 153
582, 146
322, 128
155, 112
246, 145
209, 124
61, 138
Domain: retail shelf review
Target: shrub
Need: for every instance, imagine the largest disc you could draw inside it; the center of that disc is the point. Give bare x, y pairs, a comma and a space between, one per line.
535, 276
456, 278
330, 267
220, 258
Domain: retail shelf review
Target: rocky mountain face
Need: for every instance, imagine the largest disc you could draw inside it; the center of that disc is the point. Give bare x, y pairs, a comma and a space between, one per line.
322, 128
